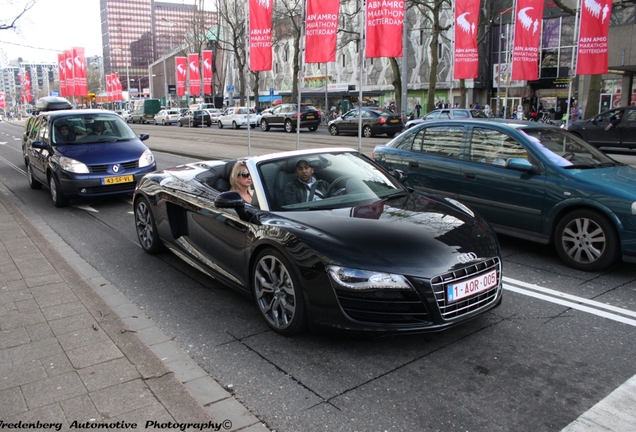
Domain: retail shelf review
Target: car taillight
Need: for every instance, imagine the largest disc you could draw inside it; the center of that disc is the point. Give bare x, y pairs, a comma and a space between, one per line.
295, 115
382, 120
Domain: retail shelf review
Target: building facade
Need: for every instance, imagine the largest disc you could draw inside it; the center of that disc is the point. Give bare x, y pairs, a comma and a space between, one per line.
135, 33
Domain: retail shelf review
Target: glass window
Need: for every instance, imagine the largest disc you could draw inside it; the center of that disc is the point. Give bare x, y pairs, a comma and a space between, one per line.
493, 147
445, 141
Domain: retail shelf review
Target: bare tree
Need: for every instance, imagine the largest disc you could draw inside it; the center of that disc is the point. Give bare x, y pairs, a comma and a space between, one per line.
288, 20
233, 37
10, 23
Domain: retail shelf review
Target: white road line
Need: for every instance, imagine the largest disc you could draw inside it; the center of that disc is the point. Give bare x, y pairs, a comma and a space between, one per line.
572, 305
15, 167
552, 292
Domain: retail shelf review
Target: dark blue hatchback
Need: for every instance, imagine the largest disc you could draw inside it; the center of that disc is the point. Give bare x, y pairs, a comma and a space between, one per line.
85, 153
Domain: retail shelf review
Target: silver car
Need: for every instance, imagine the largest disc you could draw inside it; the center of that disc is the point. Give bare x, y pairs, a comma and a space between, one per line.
167, 117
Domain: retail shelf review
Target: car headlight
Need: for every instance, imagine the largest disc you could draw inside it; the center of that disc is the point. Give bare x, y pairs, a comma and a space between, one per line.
356, 279
634, 208
147, 158
71, 165
460, 206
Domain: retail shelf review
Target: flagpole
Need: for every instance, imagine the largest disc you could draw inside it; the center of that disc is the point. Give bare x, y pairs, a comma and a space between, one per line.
452, 70
247, 80
300, 72
577, 31
361, 61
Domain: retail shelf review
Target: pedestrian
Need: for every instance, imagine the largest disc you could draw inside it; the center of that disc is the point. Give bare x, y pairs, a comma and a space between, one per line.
418, 108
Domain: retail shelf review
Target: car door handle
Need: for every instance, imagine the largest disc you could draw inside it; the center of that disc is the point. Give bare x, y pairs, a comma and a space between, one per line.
413, 164
470, 176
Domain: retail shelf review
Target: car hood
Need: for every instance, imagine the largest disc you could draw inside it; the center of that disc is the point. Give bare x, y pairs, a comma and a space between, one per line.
619, 178
103, 153
413, 235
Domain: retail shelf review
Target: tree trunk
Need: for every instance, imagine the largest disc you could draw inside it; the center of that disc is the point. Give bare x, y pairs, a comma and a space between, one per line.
593, 96
397, 82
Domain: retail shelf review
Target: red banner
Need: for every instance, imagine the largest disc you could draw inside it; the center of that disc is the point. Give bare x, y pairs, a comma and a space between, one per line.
593, 49
70, 77
261, 35
61, 63
207, 72
195, 75
3, 101
27, 86
181, 68
385, 21
79, 70
321, 30
525, 48
109, 88
466, 55
117, 87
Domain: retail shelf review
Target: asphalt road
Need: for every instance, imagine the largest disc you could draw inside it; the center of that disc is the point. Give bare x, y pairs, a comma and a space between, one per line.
561, 341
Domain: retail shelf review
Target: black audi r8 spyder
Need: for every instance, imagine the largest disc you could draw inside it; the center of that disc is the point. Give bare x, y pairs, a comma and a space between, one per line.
371, 256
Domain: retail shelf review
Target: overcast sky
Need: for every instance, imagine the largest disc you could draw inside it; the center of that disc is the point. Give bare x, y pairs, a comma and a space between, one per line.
49, 27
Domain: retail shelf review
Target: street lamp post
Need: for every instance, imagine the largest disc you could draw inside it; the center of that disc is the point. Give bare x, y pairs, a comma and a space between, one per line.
501, 36
166, 23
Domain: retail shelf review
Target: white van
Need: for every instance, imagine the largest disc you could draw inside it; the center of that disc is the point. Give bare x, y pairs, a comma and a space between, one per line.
201, 106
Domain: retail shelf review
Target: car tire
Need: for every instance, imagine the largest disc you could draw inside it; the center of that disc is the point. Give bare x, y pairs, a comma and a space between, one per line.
219, 124
278, 294
180, 124
209, 124
289, 127
333, 130
163, 122
33, 182
313, 128
264, 125
235, 125
59, 200
391, 134
367, 132
586, 240
147, 228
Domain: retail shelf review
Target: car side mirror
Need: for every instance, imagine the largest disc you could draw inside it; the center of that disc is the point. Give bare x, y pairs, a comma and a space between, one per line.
398, 175
144, 136
519, 164
595, 121
231, 199
39, 145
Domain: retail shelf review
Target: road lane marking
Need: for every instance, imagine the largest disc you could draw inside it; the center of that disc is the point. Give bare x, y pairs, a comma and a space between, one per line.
15, 167
572, 302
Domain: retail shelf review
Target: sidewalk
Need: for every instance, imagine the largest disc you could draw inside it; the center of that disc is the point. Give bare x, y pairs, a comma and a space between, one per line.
74, 351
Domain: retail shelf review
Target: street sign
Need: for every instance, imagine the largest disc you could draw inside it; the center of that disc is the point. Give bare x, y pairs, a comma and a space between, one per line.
271, 91
54, 93
230, 89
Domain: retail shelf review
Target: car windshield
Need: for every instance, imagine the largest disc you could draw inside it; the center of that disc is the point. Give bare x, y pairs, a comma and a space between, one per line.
90, 128
344, 180
567, 150
305, 108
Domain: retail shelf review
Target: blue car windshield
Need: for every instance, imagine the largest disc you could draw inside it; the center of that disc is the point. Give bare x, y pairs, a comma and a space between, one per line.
90, 128
566, 150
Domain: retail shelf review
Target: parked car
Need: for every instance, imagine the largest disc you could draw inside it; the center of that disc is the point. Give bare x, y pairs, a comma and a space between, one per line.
260, 114
528, 180
65, 152
595, 131
286, 116
429, 265
195, 118
447, 113
167, 117
214, 114
375, 121
236, 117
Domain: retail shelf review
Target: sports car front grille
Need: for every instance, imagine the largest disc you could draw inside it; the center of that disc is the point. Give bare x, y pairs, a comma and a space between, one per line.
457, 309
383, 306
104, 168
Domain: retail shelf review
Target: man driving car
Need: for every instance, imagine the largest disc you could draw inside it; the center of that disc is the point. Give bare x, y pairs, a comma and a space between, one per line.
305, 187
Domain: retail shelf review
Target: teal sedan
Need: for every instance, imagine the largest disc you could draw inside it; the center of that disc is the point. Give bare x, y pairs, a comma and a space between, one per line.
528, 180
